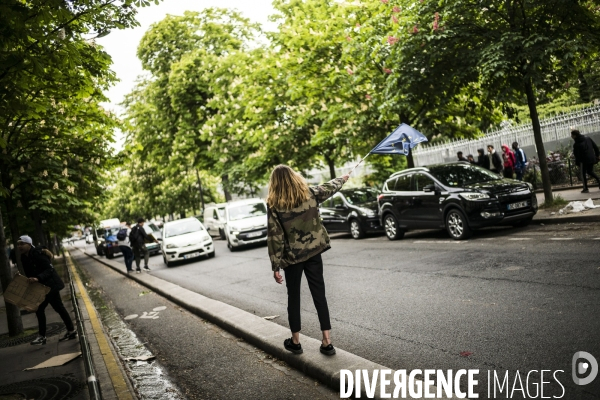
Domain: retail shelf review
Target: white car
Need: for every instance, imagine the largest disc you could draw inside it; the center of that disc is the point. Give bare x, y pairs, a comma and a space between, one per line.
185, 239
245, 223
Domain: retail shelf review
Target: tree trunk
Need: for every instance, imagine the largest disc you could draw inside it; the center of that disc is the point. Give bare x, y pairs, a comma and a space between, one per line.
201, 193
225, 180
13, 314
539, 142
40, 237
13, 225
409, 159
331, 165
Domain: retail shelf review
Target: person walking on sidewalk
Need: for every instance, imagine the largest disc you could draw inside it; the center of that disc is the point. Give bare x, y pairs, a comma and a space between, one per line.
138, 239
520, 161
295, 240
38, 268
493, 161
586, 155
125, 246
509, 161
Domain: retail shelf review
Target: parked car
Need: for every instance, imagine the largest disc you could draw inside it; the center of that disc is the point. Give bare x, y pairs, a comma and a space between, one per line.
214, 219
185, 239
458, 197
152, 229
245, 223
105, 237
352, 210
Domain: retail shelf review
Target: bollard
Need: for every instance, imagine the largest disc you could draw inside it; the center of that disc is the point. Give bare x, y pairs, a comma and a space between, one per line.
570, 172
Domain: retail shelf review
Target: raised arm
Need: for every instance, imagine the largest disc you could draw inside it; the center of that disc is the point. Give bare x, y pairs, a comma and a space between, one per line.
326, 190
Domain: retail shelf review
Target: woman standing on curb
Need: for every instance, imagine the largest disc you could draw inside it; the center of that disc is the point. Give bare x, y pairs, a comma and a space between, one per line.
296, 239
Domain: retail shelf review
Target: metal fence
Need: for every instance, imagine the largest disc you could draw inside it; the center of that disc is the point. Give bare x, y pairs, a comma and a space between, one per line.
562, 174
555, 133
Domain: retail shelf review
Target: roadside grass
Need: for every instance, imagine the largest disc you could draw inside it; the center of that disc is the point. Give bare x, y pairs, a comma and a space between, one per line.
555, 204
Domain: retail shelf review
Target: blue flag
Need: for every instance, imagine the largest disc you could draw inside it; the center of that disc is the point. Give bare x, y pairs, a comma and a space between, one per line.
400, 141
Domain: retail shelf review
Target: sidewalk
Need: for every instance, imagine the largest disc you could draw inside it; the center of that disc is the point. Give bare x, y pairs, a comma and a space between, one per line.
68, 381
553, 216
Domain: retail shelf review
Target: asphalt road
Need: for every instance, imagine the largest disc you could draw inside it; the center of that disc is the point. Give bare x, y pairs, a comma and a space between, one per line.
515, 299
201, 359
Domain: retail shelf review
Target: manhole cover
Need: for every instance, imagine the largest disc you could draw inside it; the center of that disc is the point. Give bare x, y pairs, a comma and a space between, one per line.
43, 389
52, 329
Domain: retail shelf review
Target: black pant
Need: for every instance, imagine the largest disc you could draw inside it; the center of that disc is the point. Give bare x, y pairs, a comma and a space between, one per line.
588, 169
128, 256
53, 298
313, 268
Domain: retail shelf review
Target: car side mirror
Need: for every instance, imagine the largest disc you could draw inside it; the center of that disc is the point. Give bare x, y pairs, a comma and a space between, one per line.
429, 188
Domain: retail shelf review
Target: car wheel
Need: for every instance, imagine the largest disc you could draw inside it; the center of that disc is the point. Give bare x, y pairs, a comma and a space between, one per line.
457, 225
165, 261
392, 229
99, 251
110, 255
211, 254
222, 234
522, 223
356, 230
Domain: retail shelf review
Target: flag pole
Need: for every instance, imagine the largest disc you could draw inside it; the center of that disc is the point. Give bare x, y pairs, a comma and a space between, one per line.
350, 173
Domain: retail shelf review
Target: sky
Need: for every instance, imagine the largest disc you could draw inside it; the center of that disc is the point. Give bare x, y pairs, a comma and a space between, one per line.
122, 44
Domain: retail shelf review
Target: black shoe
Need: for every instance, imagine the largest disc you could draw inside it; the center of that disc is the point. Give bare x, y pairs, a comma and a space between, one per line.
68, 336
294, 348
328, 351
585, 191
38, 341
139, 271
147, 269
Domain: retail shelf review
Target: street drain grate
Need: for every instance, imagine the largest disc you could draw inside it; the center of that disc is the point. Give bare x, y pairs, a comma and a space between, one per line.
52, 329
45, 389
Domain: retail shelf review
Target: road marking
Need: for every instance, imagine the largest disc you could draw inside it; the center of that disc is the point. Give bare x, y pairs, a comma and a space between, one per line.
159, 308
519, 239
439, 241
114, 372
132, 316
596, 239
562, 238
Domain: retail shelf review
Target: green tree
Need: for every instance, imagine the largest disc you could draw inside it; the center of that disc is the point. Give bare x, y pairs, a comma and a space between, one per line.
513, 49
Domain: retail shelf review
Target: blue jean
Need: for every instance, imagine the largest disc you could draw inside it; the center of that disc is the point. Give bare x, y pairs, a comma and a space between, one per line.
128, 256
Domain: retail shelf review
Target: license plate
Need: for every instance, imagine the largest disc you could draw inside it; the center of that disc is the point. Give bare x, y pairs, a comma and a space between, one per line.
514, 206
253, 234
191, 255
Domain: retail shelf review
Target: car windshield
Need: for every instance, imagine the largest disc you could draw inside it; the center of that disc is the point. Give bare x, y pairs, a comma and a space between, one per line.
111, 232
247, 211
457, 175
151, 227
183, 227
360, 196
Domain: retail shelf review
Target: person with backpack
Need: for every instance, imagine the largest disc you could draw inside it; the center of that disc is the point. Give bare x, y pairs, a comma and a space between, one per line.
586, 155
138, 239
38, 268
520, 161
125, 246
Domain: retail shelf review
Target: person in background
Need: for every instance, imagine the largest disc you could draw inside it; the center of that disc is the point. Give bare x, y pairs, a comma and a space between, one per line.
296, 238
138, 239
494, 161
481, 158
125, 246
37, 267
471, 159
509, 161
520, 161
586, 155
460, 157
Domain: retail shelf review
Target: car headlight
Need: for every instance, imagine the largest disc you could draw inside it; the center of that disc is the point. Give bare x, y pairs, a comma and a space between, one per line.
367, 212
530, 186
474, 196
205, 238
171, 246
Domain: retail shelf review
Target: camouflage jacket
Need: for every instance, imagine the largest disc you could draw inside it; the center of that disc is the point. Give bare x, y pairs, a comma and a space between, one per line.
298, 234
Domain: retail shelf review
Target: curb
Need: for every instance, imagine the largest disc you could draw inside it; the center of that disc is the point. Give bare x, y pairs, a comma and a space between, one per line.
566, 220
266, 335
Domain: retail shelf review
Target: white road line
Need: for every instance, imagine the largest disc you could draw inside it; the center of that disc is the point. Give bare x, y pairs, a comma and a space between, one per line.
519, 239
438, 241
562, 238
596, 239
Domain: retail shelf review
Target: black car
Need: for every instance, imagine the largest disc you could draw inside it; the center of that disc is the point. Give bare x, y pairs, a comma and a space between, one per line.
458, 196
352, 210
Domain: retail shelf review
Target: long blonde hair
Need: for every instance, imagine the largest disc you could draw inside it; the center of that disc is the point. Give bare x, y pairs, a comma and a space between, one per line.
287, 189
